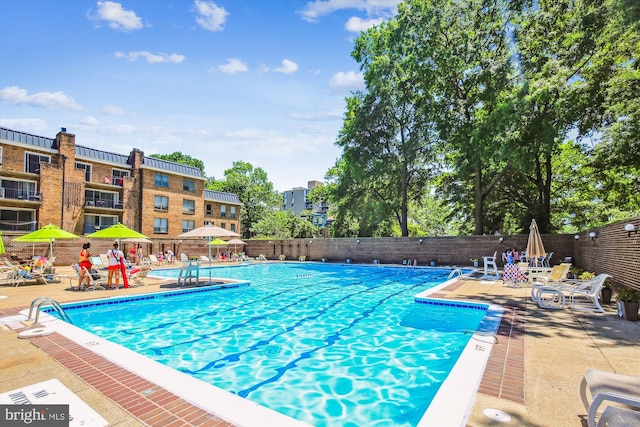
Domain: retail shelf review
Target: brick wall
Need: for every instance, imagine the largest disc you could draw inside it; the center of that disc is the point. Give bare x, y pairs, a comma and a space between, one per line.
612, 252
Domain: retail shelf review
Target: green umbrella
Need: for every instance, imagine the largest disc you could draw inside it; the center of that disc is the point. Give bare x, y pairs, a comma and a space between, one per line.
1, 244
48, 233
116, 231
217, 242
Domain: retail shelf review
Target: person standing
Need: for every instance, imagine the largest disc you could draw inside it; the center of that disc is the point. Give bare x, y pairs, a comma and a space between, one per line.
115, 256
85, 265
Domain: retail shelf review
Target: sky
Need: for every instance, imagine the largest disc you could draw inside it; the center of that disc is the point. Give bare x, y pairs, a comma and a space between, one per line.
259, 81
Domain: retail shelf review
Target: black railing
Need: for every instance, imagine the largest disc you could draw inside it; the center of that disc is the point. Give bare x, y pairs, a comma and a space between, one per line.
14, 193
103, 203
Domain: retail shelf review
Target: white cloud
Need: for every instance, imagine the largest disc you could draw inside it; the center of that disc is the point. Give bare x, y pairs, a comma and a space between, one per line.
116, 17
16, 95
357, 25
288, 67
210, 16
233, 65
151, 57
89, 121
347, 81
318, 8
113, 110
33, 125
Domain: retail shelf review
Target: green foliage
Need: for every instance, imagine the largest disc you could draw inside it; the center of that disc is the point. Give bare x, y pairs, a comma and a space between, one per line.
283, 225
183, 159
627, 295
254, 190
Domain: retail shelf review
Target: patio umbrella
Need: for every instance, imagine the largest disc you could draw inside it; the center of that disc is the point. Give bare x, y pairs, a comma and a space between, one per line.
535, 248
117, 231
236, 242
48, 233
210, 231
137, 240
1, 244
217, 243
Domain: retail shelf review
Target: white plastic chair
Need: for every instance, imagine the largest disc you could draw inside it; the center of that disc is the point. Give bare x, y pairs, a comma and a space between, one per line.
490, 263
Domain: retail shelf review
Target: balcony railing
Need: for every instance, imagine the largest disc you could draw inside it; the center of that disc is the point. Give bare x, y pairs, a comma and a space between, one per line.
103, 203
114, 180
17, 226
13, 193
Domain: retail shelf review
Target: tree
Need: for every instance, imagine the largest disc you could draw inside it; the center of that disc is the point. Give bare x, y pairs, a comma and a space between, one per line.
183, 159
283, 225
388, 139
254, 190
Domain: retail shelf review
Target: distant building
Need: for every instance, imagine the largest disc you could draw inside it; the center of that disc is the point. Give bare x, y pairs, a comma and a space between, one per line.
295, 200
82, 189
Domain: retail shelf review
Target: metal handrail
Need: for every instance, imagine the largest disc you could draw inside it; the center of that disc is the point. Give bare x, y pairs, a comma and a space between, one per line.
56, 306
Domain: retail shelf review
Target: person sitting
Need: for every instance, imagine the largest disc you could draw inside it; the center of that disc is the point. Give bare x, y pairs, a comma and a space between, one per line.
160, 258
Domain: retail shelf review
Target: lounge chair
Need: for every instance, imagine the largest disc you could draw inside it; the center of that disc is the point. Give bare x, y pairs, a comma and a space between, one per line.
95, 283
585, 297
490, 263
137, 275
610, 387
556, 276
154, 260
183, 257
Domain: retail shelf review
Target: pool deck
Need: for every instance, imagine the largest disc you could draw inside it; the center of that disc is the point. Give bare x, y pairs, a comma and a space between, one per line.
532, 375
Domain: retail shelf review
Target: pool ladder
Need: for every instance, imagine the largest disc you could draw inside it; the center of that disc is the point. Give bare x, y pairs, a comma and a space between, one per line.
53, 303
454, 272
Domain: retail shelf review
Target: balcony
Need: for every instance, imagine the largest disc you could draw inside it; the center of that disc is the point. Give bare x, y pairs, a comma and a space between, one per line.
113, 180
17, 194
6, 225
103, 203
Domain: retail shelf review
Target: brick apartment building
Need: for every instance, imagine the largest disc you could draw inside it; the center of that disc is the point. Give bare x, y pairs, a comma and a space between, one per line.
82, 189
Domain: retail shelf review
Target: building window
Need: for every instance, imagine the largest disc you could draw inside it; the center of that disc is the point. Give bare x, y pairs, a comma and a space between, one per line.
86, 167
223, 225
32, 162
160, 225
161, 180
188, 206
233, 212
233, 227
188, 225
0, 157
223, 211
21, 190
161, 203
189, 185
94, 223
209, 223
209, 209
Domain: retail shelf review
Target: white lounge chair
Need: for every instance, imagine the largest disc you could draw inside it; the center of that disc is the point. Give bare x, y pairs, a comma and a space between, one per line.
555, 277
585, 296
610, 387
490, 263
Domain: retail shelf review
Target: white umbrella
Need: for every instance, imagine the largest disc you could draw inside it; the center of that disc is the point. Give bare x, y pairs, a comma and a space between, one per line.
236, 242
136, 240
535, 248
209, 231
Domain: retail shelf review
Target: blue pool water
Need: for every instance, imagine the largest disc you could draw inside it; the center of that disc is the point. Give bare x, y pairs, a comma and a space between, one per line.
331, 345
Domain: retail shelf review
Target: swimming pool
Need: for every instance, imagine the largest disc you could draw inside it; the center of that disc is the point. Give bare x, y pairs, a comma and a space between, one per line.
325, 344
